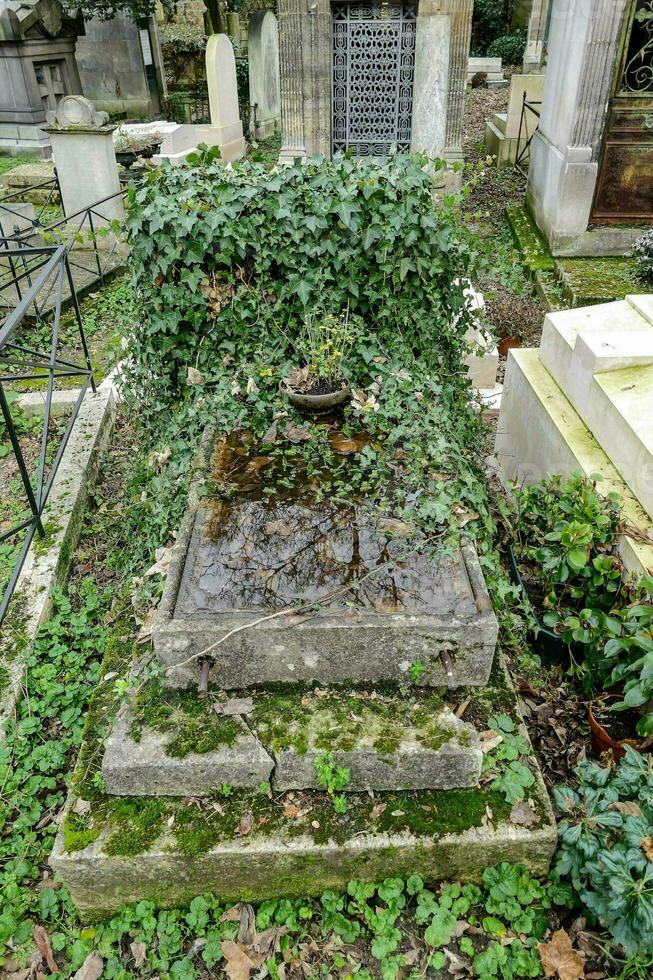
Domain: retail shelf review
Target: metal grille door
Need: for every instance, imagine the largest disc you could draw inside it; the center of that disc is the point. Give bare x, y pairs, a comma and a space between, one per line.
373, 68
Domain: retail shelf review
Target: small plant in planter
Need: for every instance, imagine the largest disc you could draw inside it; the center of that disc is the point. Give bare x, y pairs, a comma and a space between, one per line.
324, 343
129, 147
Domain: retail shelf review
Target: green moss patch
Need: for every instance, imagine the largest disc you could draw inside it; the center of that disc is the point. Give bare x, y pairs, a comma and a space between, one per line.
339, 721
598, 280
529, 240
194, 722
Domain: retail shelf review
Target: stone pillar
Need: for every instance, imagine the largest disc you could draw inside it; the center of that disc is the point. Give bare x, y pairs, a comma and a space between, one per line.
226, 127
263, 62
444, 29
537, 21
291, 70
82, 146
460, 13
582, 50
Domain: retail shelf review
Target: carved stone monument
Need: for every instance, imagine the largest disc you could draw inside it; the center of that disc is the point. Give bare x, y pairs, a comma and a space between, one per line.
37, 68
82, 146
263, 60
591, 174
373, 77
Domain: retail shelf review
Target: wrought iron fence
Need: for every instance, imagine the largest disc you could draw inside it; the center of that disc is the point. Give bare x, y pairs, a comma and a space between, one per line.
45, 268
93, 244
189, 106
529, 111
12, 219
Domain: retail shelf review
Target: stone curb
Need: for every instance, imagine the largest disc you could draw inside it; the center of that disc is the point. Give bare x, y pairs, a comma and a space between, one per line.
46, 568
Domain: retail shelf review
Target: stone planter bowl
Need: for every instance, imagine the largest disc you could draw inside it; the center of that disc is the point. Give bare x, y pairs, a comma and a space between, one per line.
315, 403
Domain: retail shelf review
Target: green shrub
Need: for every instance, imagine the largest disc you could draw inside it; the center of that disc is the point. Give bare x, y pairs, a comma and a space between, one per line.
606, 846
509, 47
227, 254
627, 657
568, 531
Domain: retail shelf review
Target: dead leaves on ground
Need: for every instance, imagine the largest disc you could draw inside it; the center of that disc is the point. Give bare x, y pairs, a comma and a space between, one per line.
250, 949
560, 959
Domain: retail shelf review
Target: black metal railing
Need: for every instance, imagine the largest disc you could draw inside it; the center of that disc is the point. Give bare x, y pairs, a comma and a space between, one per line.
189, 106
529, 111
12, 219
21, 362
89, 232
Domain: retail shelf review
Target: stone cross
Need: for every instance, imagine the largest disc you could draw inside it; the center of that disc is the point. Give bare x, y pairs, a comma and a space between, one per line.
263, 60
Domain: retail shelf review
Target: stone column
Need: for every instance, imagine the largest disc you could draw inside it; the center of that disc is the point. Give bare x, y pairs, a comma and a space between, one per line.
582, 50
316, 40
263, 62
431, 79
534, 54
291, 71
82, 146
460, 12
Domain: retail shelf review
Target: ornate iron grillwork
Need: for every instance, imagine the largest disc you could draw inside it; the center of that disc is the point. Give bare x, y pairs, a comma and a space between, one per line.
373, 68
637, 76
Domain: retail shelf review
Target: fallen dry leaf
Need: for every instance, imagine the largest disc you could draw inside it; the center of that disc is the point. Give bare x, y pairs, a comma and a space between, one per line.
296, 433
245, 825
345, 445
559, 959
523, 814
42, 941
81, 807
238, 965
194, 377
395, 527
647, 847
291, 811
628, 808
247, 929
139, 952
91, 968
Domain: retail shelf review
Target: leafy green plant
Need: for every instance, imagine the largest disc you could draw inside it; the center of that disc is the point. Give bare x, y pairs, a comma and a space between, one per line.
606, 847
509, 47
643, 252
332, 778
627, 659
512, 776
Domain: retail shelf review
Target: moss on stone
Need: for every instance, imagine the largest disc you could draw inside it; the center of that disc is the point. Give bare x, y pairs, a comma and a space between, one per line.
194, 722
137, 823
535, 253
341, 720
598, 280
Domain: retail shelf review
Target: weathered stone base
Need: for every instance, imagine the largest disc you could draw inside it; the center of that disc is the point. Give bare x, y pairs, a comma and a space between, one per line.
143, 767
277, 866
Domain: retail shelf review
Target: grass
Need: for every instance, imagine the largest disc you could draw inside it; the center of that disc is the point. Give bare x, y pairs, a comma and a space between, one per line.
10, 163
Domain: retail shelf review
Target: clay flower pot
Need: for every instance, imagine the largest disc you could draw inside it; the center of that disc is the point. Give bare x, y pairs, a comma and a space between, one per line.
601, 739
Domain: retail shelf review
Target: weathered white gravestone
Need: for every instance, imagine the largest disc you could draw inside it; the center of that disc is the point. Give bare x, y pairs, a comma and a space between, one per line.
82, 146
263, 58
226, 129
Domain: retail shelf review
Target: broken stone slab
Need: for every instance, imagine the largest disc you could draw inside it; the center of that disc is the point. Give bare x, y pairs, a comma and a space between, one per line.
277, 863
141, 766
382, 751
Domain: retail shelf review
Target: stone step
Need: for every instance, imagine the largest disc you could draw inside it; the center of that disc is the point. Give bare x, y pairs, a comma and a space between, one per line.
251, 845
171, 744
142, 761
602, 359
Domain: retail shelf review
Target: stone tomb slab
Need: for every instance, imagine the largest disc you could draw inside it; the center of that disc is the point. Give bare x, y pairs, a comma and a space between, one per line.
144, 765
308, 589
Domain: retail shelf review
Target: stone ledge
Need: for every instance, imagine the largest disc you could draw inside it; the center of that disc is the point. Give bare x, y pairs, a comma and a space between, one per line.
47, 563
279, 866
142, 767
